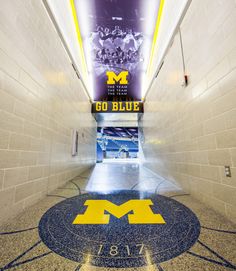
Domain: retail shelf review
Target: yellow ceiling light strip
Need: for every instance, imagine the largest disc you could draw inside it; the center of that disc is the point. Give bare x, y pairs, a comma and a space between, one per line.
80, 41
155, 36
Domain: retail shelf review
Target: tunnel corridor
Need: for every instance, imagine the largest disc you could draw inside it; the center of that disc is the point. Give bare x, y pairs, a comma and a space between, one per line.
118, 135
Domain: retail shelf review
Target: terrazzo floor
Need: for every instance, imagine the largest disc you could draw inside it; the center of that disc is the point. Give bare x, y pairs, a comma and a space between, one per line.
21, 247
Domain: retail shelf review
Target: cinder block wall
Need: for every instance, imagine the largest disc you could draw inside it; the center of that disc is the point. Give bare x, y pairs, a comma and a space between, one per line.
41, 100
190, 133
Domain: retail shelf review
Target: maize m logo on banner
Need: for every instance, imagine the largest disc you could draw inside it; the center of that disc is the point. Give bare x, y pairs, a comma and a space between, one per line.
121, 78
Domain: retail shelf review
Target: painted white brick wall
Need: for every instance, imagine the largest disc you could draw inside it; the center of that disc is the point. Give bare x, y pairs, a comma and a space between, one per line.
41, 100
190, 133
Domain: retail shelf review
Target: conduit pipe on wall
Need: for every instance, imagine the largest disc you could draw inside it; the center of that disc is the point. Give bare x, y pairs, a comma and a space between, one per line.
186, 77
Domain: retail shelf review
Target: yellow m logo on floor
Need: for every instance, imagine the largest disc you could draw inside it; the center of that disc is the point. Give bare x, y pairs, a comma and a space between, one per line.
121, 78
141, 212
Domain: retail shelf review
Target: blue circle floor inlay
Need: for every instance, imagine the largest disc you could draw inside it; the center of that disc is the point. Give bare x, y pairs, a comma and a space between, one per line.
121, 242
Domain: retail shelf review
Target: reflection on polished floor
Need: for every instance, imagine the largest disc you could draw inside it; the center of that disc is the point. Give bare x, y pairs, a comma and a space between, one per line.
111, 176
175, 232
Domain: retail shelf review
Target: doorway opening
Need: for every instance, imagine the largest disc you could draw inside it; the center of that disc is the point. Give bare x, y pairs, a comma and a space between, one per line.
117, 144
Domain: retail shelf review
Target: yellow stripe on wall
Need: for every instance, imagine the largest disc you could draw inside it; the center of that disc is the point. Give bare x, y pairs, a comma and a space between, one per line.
80, 41
155, 36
